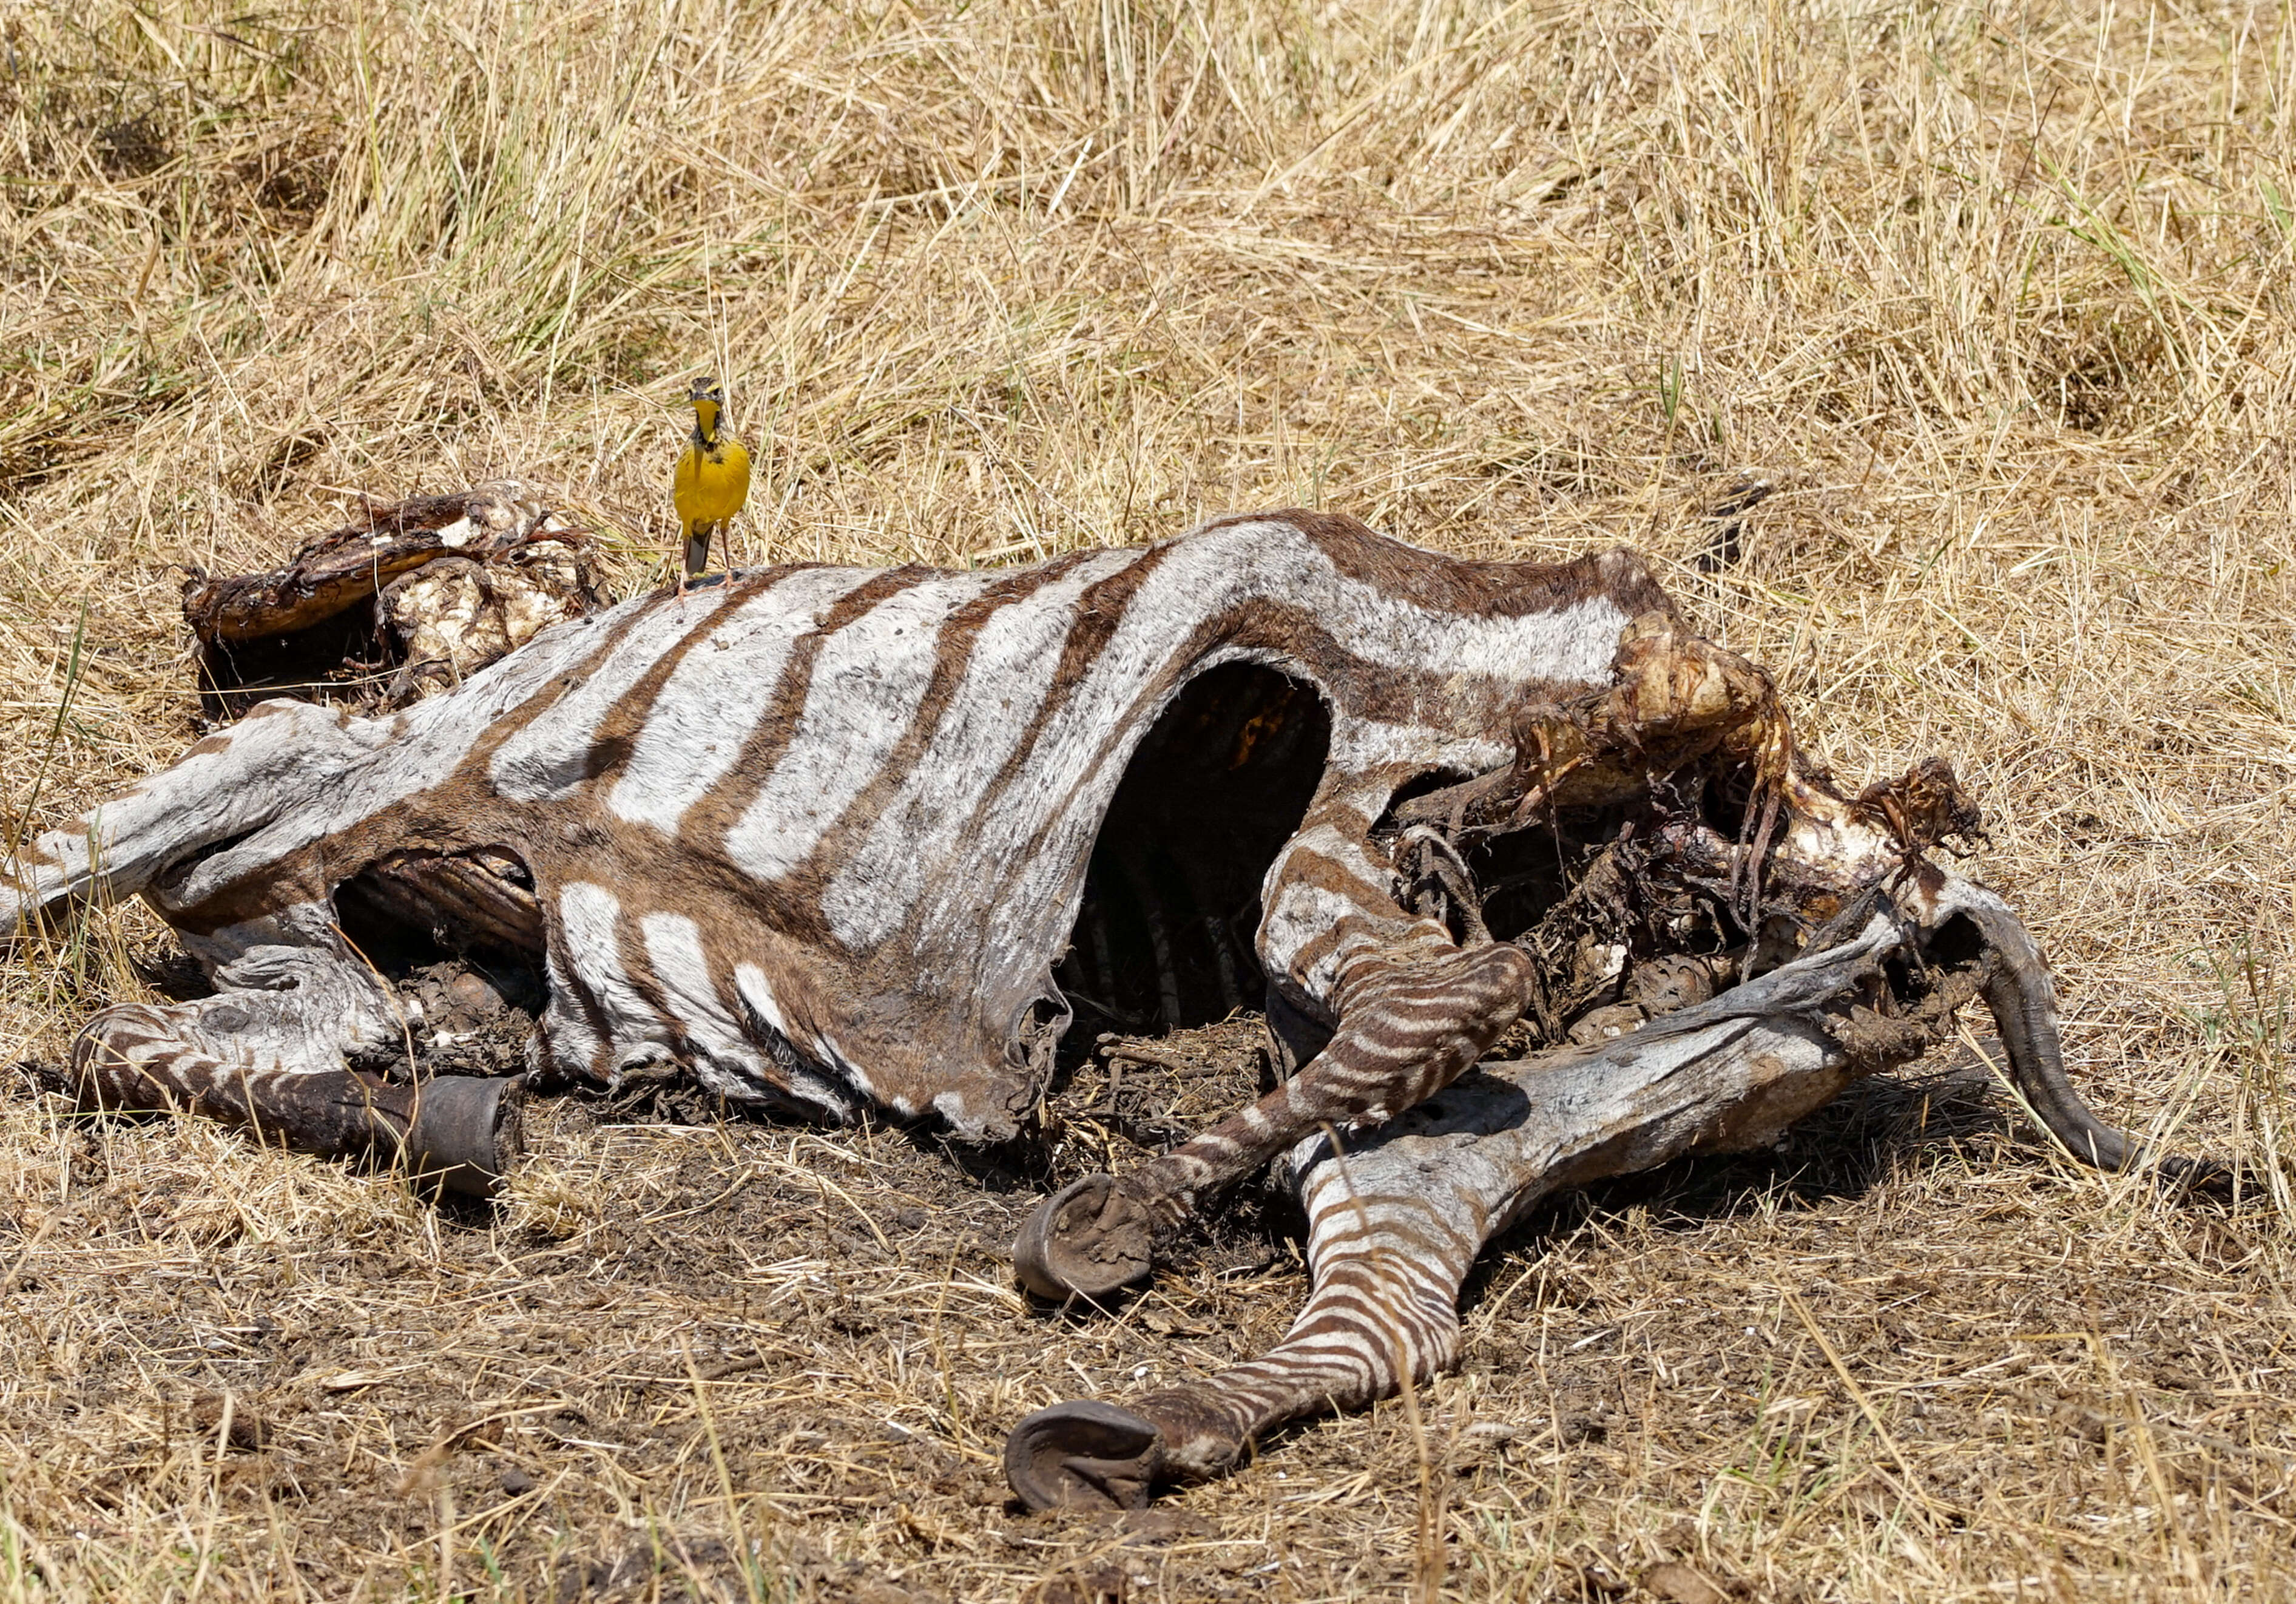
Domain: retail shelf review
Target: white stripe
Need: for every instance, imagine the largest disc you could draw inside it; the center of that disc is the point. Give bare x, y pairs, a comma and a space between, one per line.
545, 761
727, 1061
867, 682
681, 971
714, 697
858, 1077
1575, 643
1006, 680
1364, 744
750, 986
572, 1043
591, 916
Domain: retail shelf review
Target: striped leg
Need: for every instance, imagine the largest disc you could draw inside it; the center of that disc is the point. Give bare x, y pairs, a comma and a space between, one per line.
1389, 1264
1407, 1031
1395, 1224
267, 1053
1415, 1010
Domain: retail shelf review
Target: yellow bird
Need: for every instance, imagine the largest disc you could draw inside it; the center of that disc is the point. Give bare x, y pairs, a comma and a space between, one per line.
713, 480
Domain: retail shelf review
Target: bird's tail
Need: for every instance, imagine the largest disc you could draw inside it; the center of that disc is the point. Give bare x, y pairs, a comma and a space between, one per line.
697, 547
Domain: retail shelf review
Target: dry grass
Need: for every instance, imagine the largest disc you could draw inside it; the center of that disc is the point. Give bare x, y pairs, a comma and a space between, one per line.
2000, 298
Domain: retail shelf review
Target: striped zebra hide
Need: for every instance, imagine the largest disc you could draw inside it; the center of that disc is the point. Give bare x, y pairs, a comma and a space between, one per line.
835, 839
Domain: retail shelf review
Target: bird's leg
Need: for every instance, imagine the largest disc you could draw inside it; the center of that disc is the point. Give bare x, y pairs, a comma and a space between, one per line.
696, 554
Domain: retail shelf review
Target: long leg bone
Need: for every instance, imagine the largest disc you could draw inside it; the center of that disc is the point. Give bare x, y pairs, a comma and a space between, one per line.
1396, 1219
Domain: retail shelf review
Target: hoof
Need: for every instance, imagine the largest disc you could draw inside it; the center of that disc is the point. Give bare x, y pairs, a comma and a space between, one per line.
1087, 1239
2218, 1178
466, 1130
1083, 1456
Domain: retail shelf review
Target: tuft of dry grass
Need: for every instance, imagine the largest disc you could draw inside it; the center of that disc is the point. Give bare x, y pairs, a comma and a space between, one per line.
1998, 297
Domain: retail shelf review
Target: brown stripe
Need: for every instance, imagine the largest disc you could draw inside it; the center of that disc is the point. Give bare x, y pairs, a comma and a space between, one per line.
481, 756
710, 820
586, 1001
952, 649
1464, 585
1100, 612
619, 727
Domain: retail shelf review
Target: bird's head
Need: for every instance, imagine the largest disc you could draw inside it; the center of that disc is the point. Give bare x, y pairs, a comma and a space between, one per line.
707, 400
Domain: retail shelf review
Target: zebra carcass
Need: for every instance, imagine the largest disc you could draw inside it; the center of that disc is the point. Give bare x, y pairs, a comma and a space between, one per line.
837, 839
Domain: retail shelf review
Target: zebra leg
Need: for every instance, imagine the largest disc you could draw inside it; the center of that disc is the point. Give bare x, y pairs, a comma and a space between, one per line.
267, 1053
1387, 1268
1396, 1223
1415, 1010
233, 781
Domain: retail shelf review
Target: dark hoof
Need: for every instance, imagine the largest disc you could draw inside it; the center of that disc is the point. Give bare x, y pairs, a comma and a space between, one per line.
2220, 1179
1083, 1456
1087, 1239
466, 1130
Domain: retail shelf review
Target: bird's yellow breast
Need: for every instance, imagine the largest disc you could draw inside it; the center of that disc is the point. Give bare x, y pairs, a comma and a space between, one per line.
712, 483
